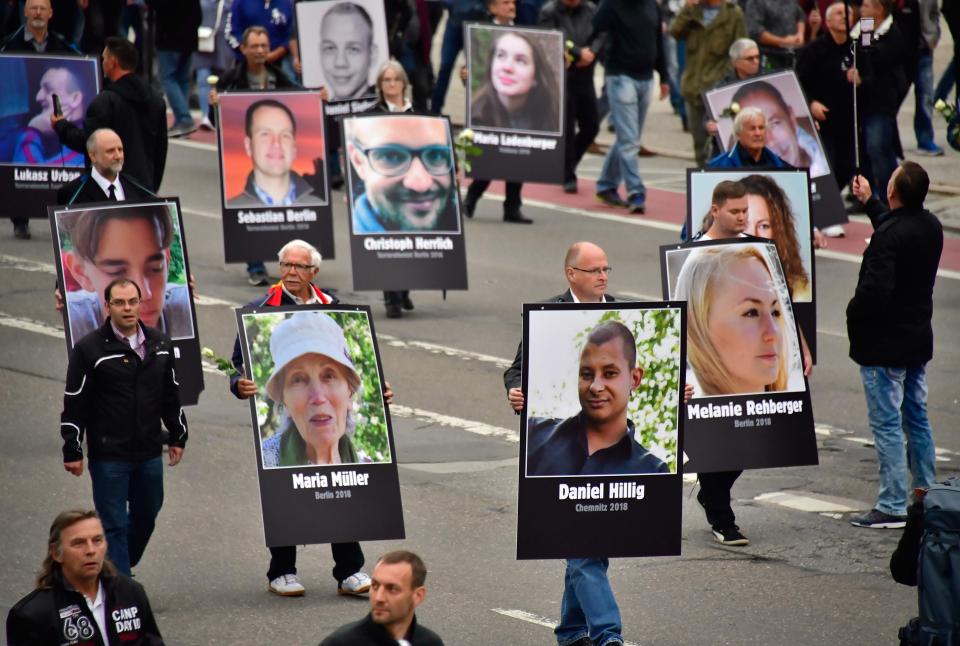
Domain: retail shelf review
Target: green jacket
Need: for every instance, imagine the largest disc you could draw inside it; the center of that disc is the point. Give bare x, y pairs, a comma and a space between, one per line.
708, 57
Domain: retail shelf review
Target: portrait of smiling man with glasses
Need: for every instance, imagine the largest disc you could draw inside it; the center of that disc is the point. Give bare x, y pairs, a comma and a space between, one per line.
402, 179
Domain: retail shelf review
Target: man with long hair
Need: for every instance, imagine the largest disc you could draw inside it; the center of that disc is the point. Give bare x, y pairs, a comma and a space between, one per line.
80, 595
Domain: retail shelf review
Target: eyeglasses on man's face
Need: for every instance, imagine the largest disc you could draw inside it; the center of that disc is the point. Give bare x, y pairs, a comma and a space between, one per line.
394, 160
286, 267
596, 271
119, 302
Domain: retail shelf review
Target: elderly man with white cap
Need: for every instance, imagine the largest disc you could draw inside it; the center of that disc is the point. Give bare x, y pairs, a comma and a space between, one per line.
299, 264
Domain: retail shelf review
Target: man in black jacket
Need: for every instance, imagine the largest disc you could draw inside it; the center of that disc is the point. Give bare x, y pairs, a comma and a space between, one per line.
575, 19
131, 108
79, 594
891, 336
105, 181
397, 590
120, 385
35, 36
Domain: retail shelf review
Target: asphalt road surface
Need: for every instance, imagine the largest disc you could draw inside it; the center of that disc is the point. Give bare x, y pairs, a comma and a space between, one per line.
808, 577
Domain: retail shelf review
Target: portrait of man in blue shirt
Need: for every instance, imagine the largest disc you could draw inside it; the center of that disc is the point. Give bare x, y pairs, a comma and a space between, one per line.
402, 179
600, 439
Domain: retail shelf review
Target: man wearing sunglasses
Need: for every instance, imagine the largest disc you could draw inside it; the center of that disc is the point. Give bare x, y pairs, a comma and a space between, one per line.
271, 143
403, 174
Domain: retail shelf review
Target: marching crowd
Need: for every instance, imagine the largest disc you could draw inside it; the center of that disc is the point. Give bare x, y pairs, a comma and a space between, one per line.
676, 49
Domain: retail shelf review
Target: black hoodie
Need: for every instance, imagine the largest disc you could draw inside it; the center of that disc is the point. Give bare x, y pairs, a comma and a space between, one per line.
139, 115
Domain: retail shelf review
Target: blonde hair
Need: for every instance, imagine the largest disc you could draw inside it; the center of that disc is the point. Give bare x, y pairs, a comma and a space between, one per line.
696, 284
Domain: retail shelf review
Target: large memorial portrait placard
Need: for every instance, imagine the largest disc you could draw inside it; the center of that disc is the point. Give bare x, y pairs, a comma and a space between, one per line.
791, 133
142, 241
601, 433
324, 443
751, 406
33, 162
406, 230
778, 209
515, 102
343, 45
273, 174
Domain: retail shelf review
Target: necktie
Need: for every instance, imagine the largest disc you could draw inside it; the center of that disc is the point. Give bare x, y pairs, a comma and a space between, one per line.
113, 193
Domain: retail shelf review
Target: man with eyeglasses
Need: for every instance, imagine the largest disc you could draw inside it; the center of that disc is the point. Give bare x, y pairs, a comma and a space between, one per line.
589, 613
403, 174
120, 386
299, 265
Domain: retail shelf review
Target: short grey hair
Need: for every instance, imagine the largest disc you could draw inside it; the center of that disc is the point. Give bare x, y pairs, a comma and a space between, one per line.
315, 257
836, 6
92, 139
747, 114
739, 46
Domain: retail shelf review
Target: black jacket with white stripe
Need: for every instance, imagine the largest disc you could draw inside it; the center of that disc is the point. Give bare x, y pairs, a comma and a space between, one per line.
118, 400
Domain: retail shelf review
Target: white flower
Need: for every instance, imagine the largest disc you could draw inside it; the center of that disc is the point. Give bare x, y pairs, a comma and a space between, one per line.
466, 135
734, 107
940, 105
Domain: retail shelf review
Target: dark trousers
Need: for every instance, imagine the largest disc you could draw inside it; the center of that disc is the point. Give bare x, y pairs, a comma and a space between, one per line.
128, 497
581, 125
347, 560
395, 298
879, 153
511, 203
714, 495
452, 44
837, 137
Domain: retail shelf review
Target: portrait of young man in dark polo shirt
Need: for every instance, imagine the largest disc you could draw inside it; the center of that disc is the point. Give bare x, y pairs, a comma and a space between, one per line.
600, 439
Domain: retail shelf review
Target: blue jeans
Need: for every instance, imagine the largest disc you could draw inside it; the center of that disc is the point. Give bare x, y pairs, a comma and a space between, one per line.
629, 100
897, 406
589, 608
117, 485
203, 90
923, 93
879, 134
452, 44
175, 79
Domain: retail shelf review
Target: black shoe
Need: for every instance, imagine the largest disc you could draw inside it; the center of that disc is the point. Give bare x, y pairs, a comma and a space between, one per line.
21, 231
516, 218
393, 311
730, 536
407, 304
610, 197
583, 641
336, 182
469, 206
570, 186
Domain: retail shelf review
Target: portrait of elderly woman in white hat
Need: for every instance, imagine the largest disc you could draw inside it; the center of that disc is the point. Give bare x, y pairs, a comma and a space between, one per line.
314, 382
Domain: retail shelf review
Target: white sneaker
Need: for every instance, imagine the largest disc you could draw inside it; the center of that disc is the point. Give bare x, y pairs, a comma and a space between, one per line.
286, 585
206, 124
355, 584
834, 231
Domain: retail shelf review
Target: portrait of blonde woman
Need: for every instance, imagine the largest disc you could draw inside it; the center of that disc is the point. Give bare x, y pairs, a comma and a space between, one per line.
741, 337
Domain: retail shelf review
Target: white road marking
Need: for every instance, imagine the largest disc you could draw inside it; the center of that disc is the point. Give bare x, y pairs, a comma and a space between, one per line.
445, 468
479, 428
37, 327
435, 348
538, 620
25, 264
196, 145
810, 503
200, 299
203, 214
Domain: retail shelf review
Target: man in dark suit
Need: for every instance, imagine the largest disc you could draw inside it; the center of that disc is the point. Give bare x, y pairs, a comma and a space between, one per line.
104, 181
586, 269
